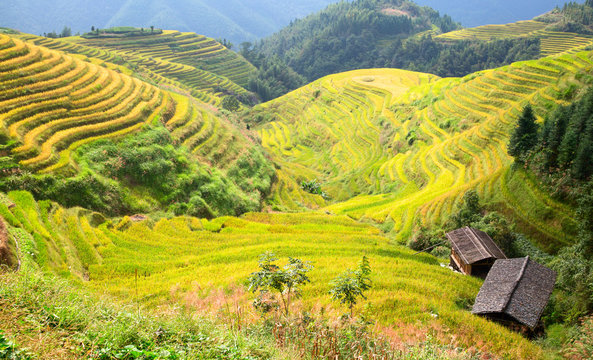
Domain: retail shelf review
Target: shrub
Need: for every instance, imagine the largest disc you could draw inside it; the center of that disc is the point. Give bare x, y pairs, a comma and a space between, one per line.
286, 281
313, 187
230, 103
10, 351
351, 285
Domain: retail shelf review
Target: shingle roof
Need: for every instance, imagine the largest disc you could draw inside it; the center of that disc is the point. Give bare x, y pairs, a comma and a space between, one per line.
474, 245
519, 288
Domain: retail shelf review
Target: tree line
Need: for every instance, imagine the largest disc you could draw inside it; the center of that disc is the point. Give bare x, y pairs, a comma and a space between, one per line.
562, 148
560, 153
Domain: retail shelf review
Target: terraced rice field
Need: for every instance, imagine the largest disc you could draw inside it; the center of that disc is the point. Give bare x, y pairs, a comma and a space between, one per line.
53, 103
188, 55
492, 32
552, 42
202, 84
211, 139
203, 264
401, 147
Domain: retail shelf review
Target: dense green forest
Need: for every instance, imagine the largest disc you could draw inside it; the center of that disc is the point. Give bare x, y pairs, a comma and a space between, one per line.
347, 36
571, 17
273, 78
560, 151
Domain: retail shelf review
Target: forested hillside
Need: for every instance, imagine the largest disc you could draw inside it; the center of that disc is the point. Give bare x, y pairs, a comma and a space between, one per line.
351, 36
348, 36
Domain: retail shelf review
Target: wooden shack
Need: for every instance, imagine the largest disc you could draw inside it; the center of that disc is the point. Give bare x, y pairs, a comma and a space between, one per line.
473, 252
516, 291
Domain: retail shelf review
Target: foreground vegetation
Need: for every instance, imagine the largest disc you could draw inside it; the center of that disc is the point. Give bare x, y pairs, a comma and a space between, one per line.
156, 262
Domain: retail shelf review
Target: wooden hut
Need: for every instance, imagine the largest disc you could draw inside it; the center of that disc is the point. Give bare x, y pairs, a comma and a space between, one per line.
515, 291
473, 252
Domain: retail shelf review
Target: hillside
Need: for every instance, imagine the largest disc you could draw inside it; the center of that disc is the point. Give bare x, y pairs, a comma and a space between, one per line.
348, 36
233, 20
562, 30
193, 63
53, 103
399, 147
143, 185
401, 35
74, 102
408, 298
552, 42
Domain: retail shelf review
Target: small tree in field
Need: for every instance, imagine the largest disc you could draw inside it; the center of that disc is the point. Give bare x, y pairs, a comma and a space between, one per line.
286, 281
351, 285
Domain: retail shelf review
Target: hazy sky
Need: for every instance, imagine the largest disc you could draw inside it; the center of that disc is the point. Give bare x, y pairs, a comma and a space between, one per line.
237, 20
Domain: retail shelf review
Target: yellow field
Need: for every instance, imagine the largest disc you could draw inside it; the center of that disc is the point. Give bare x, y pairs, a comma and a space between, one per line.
203, 264
404, 147
50, 101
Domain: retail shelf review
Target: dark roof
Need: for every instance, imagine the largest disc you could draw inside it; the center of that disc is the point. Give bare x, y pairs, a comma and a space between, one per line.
519, 288
474, 245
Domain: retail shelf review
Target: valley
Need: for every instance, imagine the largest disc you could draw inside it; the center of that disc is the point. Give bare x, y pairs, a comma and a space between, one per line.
142, 173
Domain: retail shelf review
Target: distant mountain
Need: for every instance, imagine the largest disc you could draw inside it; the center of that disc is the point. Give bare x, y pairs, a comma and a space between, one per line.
472, 13
235, 20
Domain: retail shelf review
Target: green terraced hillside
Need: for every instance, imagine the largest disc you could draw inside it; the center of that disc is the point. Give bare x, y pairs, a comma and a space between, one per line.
184, 48
552, 42
193, 58
194, 63
399, 147
203, 264
52, 103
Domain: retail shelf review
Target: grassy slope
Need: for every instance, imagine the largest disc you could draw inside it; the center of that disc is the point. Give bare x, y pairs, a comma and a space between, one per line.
196, 262
400, 156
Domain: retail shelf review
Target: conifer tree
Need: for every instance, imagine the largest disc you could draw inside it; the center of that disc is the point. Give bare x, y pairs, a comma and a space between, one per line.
553, 133
524, 138
581, 168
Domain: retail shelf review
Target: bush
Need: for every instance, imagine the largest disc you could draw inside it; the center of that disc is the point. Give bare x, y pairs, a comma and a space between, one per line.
85, 190
425, 238
150, 160
313, 187
230, 103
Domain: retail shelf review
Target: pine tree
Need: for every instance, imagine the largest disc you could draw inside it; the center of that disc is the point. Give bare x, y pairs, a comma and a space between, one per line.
553, 133
581, 168
524, 138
